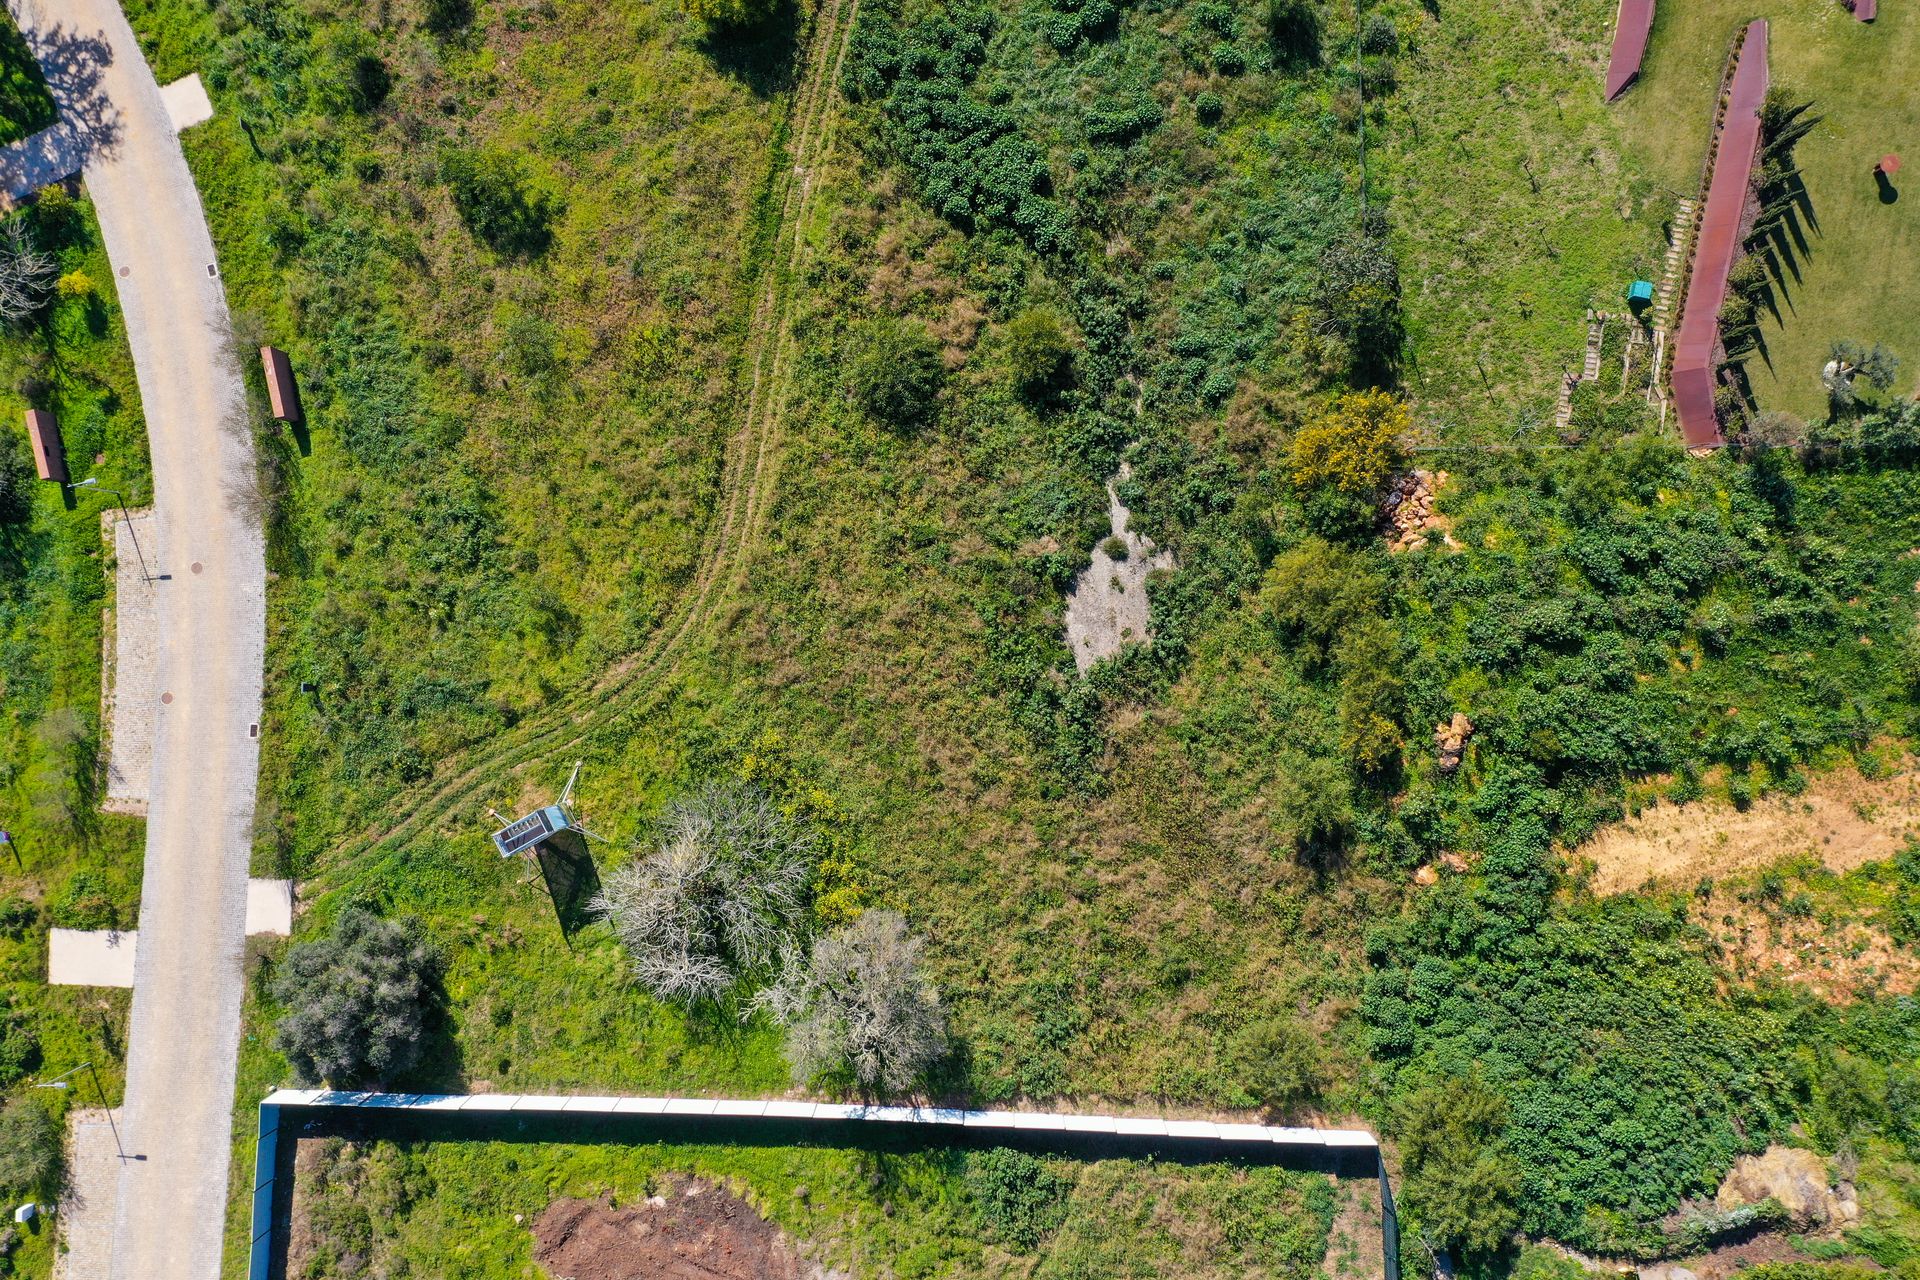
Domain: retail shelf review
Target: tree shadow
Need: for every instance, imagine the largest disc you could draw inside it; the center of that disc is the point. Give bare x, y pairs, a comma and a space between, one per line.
89, 125
763, 57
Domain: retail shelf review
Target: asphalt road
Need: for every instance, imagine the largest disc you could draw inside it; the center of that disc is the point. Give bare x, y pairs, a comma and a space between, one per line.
210, 612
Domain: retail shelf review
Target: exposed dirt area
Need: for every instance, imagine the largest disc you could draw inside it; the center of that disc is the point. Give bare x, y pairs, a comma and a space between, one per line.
1354, 1249
1838, 959
1843, 819
1107, 606
691, 1231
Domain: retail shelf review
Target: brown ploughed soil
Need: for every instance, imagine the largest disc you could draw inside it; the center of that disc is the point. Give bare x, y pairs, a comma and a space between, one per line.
691, 1231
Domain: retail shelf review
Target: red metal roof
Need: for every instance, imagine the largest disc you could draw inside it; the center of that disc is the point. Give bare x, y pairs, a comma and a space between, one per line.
1631, 26
1865, 10
49, 453
1699, 338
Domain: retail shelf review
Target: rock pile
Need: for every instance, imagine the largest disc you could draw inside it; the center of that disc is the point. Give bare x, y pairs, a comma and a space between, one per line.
1797, 1179
1451, 739
1408, 508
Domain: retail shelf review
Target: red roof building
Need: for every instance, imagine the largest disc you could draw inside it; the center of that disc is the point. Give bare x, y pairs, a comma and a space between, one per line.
1695, 350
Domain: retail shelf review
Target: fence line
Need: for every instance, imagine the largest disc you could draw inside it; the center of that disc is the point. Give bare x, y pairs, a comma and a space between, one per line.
1041, 1128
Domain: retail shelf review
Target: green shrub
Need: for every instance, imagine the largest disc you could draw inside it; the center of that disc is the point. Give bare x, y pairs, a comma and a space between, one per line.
896, 373
1460, 1182
1278, 1062
1379, 38
17, 476
1039, 350
1021, 1202
1208, 107
358, 1001
1293, 28
1228, 60
495, 199
84, 902
731, 14
17, 916
19, 1044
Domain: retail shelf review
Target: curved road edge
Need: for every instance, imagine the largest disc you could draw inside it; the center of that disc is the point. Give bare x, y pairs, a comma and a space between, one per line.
211, 617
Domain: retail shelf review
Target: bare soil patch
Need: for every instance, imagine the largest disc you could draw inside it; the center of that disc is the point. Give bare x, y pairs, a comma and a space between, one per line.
1843, 819
1840, 959
691, 1231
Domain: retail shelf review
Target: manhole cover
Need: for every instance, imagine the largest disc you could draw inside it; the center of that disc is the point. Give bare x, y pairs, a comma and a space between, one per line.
196, 566
125, 272
166, 697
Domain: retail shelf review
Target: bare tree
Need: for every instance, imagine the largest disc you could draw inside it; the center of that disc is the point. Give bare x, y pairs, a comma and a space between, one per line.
716, 897
858, 1001
27, 274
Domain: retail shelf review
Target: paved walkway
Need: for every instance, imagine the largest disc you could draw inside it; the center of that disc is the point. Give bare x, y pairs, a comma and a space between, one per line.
210, 624
128, 691
87, 1225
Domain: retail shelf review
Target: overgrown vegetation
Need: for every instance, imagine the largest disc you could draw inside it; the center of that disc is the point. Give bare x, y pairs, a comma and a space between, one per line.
359, 1003
1049, 241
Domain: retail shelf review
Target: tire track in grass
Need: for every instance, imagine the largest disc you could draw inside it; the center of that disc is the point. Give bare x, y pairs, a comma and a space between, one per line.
746, 482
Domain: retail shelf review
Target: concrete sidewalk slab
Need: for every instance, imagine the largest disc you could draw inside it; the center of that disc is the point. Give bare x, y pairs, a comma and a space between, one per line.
187, 102
127, 693
91, 957
270, 907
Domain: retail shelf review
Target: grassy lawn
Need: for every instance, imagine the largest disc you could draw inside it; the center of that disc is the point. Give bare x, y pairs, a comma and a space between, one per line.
25, 105
1516, 210
454, 1209
76, 866
1856, 277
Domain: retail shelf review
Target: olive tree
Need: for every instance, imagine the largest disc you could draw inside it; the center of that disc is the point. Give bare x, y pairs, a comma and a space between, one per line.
717, 896
357, 1001
858, 1003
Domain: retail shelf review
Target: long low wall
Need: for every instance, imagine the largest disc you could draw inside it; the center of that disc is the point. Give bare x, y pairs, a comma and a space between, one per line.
290, 1111
1699, 339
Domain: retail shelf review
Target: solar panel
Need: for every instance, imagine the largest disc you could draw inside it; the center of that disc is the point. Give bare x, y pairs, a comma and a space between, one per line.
530, 830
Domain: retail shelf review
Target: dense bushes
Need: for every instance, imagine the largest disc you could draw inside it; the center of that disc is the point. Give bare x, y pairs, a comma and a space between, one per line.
358, 1002
1021, 1202
895, 374
970, 159
497, 201
31, 1149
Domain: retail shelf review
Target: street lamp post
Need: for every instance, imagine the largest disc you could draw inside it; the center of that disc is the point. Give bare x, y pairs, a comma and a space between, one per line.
92, 483
60, 1082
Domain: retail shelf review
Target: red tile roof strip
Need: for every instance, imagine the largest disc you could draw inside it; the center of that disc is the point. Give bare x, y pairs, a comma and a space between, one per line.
49, 453
1631, 26
1719, 240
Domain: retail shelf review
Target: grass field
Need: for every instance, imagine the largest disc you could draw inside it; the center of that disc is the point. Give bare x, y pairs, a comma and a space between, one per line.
1517, 212
613, 496
1855, 272
455, 1209
75, 866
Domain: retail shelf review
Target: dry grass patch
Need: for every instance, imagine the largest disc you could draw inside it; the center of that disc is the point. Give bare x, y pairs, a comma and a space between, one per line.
1843, 819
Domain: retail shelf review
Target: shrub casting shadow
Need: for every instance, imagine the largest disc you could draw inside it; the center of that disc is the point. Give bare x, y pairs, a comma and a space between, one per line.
762, 57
